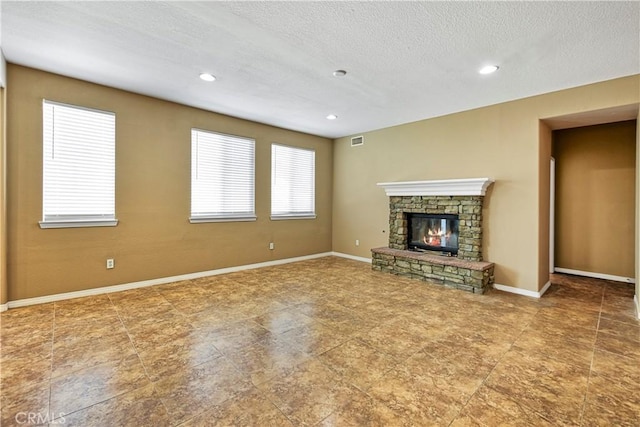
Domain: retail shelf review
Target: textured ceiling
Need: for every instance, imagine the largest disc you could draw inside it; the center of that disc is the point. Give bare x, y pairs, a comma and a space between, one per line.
406, 61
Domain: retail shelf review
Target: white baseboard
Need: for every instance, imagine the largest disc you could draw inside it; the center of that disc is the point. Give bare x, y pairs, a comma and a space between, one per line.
595, 275
524, 292
4, 307
153, 282
353, 257
635, 299
545, 288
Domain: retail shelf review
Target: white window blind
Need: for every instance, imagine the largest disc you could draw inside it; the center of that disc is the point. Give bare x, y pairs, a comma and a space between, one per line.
79, 163
222, 177
292, 182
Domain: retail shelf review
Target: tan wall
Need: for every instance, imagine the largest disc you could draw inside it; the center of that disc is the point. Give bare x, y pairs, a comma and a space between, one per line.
595, 198
544, 203
3, 204
154, 237
637, 260
3, 69
500, 141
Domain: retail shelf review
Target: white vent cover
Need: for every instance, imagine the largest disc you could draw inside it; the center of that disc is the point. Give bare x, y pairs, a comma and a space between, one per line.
357, 141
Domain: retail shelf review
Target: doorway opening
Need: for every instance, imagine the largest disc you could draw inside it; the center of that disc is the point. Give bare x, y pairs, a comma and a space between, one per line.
592, 220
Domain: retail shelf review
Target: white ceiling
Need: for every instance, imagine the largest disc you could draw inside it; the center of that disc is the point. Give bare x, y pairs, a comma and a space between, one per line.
406, 61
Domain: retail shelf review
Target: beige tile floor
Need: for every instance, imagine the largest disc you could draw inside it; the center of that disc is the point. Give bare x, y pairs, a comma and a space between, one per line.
325, 342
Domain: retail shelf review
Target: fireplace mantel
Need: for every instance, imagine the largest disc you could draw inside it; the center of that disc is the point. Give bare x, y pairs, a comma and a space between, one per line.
445, 187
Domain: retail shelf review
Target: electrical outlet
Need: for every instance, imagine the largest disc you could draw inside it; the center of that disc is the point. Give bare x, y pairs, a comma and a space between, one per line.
110, 263
271, 246
357, 242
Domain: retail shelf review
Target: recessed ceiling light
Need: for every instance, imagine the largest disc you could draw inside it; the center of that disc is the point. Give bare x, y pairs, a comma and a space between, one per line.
488, 69
207, 77
332, 117
339, 73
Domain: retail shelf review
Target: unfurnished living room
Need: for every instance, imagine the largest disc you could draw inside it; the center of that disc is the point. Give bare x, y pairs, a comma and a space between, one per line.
352, 213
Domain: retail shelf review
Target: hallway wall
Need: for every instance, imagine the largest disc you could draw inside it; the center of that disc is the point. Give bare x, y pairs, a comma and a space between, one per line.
595, 198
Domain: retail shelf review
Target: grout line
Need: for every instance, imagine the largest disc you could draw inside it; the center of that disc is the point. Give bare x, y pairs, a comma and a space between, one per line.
91, 367
137, 354
53, 340
272, 403
493, 369
593, 353
153, 383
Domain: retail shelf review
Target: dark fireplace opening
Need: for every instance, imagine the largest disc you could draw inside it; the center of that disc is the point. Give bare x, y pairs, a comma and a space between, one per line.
433, 232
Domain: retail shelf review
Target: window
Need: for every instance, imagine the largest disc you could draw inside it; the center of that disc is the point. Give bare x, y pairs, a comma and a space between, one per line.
292, 182
222, 177
79, 164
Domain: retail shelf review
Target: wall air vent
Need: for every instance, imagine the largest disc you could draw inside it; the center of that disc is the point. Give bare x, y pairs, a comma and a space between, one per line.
356, 141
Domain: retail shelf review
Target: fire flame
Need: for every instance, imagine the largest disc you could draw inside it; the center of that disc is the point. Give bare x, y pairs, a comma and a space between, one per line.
434, 237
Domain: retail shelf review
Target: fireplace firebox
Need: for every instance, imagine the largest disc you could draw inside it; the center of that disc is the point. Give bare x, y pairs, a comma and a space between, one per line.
433, 232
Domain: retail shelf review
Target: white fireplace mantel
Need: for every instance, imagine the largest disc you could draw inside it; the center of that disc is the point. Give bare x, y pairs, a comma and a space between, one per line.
445, 187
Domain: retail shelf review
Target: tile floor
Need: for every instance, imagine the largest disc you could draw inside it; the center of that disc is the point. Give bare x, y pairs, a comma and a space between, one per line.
325, 342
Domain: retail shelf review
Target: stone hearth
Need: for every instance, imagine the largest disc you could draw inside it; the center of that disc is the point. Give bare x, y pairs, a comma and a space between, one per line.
464, 198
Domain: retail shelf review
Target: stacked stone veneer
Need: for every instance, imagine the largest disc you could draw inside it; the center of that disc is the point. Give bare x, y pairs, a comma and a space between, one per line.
468, 209
472, 276
466, 272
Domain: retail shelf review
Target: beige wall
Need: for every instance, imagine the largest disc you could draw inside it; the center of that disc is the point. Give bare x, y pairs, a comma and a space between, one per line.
500, 141
3, 204
637, 269
154, 237
3, 192
595, 198
3, 69
544, 203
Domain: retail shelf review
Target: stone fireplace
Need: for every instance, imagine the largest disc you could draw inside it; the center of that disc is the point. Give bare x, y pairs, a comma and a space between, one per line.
439, 233
446, 246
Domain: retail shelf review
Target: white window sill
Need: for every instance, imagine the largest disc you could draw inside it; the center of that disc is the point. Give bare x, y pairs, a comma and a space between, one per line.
286, 217
79, 223
202, 219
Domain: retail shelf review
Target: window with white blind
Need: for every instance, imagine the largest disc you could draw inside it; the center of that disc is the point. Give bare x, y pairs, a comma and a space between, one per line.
222, 177
79, 165
293, 176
